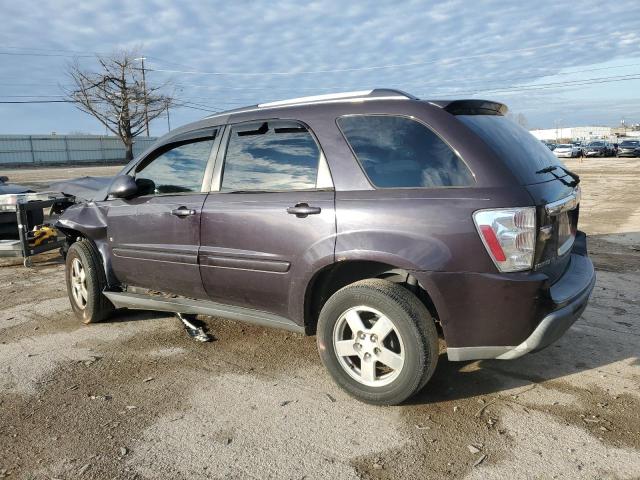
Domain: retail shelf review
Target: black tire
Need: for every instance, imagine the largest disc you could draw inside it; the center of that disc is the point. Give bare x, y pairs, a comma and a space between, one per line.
97, 306
411, 320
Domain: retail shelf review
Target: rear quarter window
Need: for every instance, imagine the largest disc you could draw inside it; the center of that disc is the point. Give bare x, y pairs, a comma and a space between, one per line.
398, 152
524, 154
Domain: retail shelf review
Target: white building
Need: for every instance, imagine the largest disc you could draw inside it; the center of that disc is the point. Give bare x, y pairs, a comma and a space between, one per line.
574, 133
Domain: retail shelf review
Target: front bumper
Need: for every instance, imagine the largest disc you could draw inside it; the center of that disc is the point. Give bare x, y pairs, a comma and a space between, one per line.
564, 154
505, 316
594, 154
630, 153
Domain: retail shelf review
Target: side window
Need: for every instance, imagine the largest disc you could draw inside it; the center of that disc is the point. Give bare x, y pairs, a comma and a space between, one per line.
401, 152
178, 170
273, 155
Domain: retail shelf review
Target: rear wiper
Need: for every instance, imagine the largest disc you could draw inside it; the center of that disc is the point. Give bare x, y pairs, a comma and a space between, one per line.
548, 169
552, 168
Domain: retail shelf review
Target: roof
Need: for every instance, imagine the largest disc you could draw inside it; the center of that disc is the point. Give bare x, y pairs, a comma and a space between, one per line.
456, 107
356, 96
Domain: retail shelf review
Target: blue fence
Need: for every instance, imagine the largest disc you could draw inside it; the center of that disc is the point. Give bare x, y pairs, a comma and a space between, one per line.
18, 150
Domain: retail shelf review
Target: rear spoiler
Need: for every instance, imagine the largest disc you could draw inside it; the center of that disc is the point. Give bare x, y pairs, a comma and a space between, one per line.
471, 107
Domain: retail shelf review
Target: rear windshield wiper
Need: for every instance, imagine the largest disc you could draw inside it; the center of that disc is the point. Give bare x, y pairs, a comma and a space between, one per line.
552, 168
548, 169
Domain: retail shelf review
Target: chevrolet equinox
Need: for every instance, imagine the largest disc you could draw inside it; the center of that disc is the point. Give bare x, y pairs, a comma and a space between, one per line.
376, 221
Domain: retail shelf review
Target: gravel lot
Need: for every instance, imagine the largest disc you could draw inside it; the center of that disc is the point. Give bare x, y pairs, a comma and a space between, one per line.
136, 398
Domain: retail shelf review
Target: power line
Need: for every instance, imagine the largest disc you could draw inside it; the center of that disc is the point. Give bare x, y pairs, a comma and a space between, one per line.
12, 47
546, 86
36, 101
28, 54
185, 104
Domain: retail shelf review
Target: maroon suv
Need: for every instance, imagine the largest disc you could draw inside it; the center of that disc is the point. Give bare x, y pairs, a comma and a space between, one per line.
374, 220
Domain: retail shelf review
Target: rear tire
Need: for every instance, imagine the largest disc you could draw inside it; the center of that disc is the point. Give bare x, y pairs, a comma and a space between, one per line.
86, 281
379, 363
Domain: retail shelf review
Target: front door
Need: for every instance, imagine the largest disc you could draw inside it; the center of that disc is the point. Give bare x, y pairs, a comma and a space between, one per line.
271, 220
156, 235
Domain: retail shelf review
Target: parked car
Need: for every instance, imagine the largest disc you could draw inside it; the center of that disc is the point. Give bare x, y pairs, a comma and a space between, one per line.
629, 148
596, 149
373, 220
567, 150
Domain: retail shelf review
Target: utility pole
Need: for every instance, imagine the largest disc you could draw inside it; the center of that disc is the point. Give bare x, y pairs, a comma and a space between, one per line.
168, 120
144, 90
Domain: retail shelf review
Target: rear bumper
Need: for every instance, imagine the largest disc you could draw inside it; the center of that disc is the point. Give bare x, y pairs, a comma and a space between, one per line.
550, 329
628, 154
508, 315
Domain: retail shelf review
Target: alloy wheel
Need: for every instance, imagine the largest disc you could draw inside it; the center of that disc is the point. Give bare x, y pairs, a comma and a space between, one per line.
368, 346
79, 283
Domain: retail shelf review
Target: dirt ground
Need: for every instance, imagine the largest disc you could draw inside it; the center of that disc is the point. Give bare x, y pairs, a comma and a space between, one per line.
136, 398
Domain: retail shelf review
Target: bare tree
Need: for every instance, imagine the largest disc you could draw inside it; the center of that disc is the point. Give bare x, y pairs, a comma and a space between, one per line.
118, 96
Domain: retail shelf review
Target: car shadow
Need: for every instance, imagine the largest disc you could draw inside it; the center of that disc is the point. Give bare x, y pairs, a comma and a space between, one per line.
123, 315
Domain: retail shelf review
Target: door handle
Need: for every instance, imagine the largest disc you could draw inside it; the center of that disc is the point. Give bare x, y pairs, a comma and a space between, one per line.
183, 212
301, 210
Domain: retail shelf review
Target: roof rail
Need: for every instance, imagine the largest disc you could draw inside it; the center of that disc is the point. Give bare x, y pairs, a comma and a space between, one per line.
375, 94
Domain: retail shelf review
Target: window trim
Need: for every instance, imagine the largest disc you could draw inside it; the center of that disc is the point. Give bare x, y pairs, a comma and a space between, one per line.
208, 134
216, 181
424, 124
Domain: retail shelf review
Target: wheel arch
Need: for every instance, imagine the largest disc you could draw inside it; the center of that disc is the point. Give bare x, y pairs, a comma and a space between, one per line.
335, 276
88, 221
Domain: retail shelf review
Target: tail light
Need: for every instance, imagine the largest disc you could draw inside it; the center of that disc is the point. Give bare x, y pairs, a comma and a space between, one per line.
509, 235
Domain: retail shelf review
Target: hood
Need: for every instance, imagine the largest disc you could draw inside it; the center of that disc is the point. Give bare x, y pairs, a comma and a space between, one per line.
12, 188
84, 188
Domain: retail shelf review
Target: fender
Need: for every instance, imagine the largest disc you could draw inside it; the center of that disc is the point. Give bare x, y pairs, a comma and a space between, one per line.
89, 220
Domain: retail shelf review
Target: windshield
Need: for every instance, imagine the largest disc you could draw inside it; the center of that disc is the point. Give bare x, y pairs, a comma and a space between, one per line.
564, 145
630, 143
596, 144
526, 156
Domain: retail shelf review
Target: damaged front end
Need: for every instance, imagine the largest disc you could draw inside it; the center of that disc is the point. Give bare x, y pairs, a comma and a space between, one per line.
88, 220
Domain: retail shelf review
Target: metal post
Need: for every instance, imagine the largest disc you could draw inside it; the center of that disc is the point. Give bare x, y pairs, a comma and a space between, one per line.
102, 152
168, 120
66, 149
146, 102
33, 154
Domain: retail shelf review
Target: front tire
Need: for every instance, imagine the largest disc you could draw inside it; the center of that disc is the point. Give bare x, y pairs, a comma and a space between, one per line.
378, 341
85, 283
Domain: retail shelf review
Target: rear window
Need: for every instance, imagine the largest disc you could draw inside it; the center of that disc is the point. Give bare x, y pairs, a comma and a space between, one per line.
628, 143
398, 152
521, 151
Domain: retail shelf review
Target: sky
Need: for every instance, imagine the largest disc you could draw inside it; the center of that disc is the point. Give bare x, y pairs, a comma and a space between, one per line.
558, 63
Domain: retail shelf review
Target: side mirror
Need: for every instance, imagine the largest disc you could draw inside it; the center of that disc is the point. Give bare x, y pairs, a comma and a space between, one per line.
124, 186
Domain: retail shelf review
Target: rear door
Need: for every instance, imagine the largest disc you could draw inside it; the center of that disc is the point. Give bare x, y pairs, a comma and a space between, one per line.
270, 218
155, 236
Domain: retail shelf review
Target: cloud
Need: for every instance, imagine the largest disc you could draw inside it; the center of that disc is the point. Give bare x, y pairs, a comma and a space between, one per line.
461, 45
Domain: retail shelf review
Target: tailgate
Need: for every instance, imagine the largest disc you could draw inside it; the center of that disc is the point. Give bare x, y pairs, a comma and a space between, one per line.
558, 209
